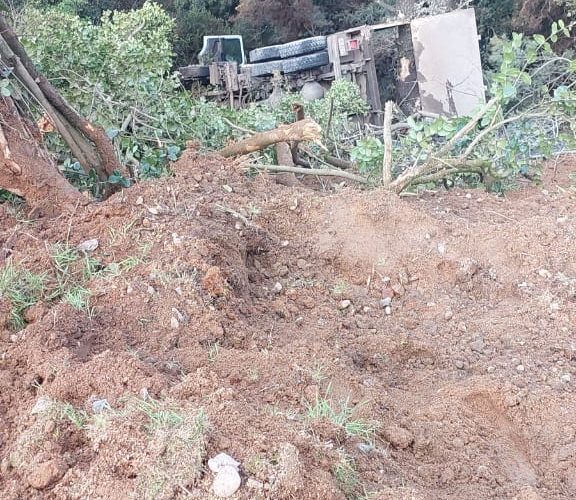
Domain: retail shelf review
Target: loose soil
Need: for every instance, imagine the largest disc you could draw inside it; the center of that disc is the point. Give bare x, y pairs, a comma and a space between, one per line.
253, 302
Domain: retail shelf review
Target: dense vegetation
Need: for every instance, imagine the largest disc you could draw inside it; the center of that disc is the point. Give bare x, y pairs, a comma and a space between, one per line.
264, 22
115, 67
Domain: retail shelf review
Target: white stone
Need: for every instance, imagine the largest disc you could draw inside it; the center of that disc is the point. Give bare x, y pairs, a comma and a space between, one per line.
88, 245
222, 460
42, 405
226, 482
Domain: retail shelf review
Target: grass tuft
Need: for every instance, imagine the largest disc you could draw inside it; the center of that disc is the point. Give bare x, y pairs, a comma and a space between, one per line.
341, 414
23, 289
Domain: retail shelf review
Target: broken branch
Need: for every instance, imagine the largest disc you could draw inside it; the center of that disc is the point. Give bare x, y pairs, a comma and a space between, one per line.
387, 162
304, 130
311, 171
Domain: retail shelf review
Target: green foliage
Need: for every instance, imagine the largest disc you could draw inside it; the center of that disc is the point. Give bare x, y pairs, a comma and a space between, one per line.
116, 74
368, 154
346, 474
341, 414
195, 19
22, 289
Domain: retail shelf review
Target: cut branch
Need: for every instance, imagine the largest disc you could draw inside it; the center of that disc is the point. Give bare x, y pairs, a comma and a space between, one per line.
387, 163
437, 163
311, 171
304, 130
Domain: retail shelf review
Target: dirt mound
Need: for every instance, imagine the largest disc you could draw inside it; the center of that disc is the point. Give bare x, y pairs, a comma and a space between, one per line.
337, 343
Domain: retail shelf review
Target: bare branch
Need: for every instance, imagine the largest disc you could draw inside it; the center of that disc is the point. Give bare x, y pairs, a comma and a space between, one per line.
311, 171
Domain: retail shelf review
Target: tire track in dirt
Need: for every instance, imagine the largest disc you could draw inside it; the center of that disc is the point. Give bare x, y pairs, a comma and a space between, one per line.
508, 442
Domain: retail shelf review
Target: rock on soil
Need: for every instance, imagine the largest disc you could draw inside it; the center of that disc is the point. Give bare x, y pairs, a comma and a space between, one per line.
46, 474
398, 437
226, 482
222, 460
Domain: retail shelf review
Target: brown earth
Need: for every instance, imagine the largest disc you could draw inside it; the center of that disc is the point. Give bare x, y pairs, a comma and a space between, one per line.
254, 303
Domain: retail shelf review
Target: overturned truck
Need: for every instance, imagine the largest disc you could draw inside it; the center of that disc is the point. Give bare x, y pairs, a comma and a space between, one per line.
436, 66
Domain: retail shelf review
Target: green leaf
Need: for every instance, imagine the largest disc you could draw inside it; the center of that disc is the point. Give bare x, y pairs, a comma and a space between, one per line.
509, 91
112, 132
539, 39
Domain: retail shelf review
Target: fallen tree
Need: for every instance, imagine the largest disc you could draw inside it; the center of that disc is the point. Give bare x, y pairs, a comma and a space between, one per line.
25, 167
88, 143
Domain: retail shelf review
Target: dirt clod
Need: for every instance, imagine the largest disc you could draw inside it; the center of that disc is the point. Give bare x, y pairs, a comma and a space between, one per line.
398, 437
46, 474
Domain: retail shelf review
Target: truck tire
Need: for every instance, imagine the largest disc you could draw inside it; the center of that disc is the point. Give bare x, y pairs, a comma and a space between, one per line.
265, 68
301, 47
194, 71
305, 62
265, 54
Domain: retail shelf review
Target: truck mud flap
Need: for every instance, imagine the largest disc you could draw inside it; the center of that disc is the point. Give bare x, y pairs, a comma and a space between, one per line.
305, 62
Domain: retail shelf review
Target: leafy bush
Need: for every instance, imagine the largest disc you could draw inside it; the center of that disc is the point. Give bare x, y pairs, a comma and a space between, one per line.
118, 75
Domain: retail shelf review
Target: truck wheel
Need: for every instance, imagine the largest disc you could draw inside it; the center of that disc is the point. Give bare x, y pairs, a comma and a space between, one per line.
305, 62
265, 68
301, 47
194, 72
265, 54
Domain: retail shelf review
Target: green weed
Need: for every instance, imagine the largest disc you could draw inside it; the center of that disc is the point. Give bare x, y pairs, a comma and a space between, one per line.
346, 474
23, 289
341, 414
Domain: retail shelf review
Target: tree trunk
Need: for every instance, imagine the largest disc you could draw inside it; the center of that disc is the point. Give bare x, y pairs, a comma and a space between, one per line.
26, 168
304, 130
89, 144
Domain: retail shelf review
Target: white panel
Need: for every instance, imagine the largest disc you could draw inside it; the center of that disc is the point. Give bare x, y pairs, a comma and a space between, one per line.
448, 63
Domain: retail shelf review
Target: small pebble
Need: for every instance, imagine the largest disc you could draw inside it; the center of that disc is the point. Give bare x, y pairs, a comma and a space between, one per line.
448, 315
174, 323
490, 369
459, 364
478, 345
100, 405
520, 368
566, 378
277, 288
388, 310
254, 484
345, 304
365, 447
386, 302
88, 246
42, 405
544, 273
